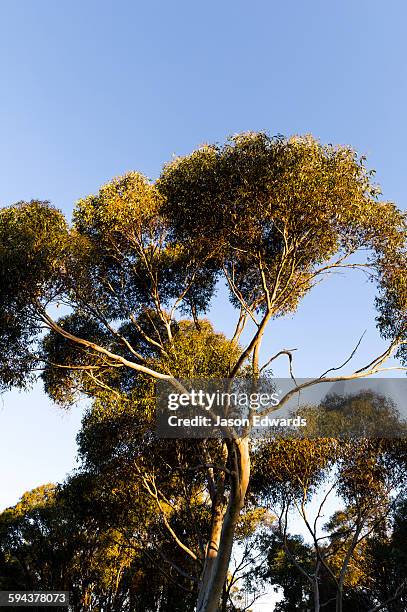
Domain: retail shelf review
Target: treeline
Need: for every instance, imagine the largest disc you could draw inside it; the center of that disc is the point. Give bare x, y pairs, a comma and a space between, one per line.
118, 533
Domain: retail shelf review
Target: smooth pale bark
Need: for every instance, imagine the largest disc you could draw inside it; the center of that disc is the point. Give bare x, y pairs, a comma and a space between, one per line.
316, 595
339, 599
212, 549
348, 556
215, 573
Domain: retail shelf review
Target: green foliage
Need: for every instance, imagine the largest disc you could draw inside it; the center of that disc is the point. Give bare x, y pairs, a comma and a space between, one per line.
282, 571
270, 216
291, 204
375, 574
392, 301
75, 538
32, 241
69, 368
356, 415
286, 465
199, 352
130, 261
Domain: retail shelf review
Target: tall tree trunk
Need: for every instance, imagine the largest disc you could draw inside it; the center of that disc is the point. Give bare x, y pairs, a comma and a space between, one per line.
223, 530
317, 606
339, 599
345, 564
213, 546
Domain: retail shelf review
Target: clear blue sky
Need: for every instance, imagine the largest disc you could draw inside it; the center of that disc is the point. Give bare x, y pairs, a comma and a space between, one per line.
92, 89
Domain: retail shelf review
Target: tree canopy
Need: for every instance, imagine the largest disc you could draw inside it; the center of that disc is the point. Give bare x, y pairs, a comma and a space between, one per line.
103, 306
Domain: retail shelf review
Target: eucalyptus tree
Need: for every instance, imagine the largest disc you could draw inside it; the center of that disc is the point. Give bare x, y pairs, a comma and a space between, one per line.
80, 537
298, 480
269, 216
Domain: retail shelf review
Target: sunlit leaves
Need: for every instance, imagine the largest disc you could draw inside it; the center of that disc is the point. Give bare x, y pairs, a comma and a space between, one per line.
33, 239
281, 206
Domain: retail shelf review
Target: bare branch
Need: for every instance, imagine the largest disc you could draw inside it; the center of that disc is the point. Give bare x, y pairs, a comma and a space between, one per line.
287, 352
347, 360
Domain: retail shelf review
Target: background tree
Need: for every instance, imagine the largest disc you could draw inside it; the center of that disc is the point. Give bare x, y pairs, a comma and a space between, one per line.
85, 538
375, 578
296, 479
